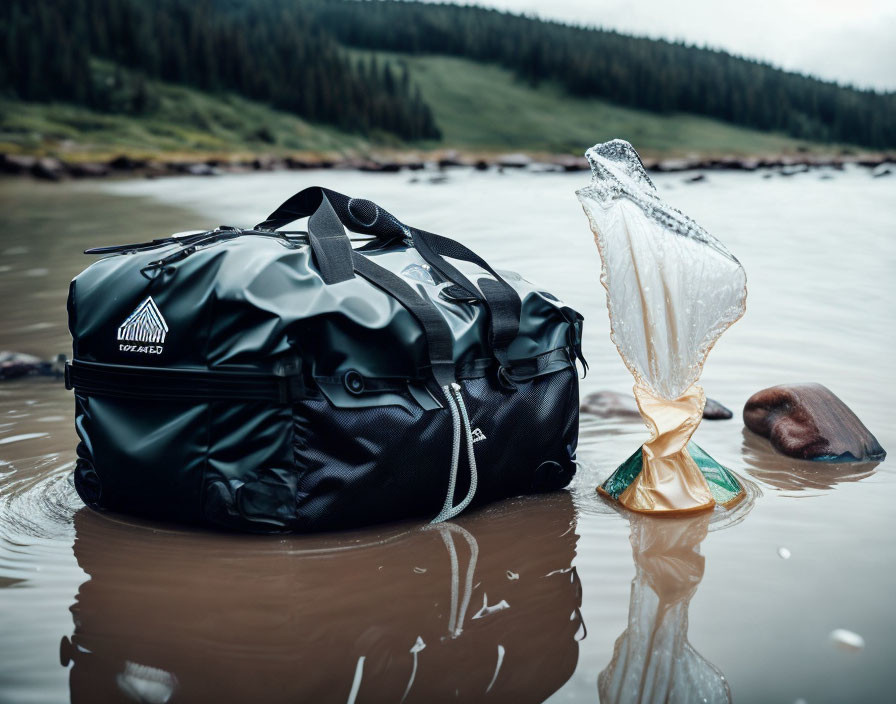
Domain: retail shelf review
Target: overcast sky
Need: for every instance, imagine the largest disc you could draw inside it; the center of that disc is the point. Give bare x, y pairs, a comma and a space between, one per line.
851, 41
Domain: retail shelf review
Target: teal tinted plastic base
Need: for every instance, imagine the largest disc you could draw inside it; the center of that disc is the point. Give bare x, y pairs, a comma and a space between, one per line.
722, 483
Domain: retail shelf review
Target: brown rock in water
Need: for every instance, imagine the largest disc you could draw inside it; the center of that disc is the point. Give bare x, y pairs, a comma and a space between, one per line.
449, 158
612, 404
48, 168
88, 170
16, 364
571, 163
669, 165
514, 161
126, 163
202, 170
765, 463
295, 163
16, 163
713, 410
809, 422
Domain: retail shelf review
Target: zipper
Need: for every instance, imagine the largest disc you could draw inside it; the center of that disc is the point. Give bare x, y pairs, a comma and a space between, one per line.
288, 237
221, 232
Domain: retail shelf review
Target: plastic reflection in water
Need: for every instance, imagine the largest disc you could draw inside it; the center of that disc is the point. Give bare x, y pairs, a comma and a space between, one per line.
652, 659
672, 290
391, 615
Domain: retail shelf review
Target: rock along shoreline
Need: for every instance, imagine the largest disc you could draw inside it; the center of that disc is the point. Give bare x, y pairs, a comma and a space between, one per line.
54, 169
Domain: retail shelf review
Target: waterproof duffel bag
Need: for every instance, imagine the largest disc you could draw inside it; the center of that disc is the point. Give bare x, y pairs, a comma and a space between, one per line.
267, 380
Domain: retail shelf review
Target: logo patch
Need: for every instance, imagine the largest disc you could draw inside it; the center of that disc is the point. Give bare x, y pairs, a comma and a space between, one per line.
145, 325
477, 435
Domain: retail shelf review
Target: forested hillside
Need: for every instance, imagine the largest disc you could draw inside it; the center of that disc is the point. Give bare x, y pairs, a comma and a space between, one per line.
267, 50
357, 66
642, 73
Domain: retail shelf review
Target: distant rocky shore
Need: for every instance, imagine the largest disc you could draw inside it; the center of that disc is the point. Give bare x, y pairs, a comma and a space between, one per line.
54, 169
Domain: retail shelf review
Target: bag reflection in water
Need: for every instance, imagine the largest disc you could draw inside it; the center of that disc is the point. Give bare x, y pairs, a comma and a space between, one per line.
402, 614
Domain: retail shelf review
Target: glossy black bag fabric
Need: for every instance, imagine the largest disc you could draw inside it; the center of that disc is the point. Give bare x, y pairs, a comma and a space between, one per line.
272, 381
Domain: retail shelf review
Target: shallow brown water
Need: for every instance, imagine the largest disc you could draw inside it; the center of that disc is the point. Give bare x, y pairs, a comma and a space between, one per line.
556, 597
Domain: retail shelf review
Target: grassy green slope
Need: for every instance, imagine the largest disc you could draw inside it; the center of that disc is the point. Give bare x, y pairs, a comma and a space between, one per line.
480, 106
182, 120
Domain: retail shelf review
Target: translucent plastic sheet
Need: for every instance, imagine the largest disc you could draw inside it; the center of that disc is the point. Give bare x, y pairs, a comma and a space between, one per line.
672, 290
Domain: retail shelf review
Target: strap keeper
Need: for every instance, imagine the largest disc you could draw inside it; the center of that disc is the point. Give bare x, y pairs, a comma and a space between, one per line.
290, 385
291, 389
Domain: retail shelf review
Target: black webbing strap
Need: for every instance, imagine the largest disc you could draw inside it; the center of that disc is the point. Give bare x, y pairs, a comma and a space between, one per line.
332, 249
364, 216
503, 301
439, 340
123, 381
338, 261
357, 214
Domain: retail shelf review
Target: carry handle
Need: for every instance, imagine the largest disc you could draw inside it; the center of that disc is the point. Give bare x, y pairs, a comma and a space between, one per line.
357, 214
332, 248
363, 216
337, 261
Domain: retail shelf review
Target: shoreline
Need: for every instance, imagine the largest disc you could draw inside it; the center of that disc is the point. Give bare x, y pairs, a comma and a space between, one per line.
50, 168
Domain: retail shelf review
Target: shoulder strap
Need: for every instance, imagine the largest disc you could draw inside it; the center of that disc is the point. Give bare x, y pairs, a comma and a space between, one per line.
363, 216
501, 298
337, 261
439, 340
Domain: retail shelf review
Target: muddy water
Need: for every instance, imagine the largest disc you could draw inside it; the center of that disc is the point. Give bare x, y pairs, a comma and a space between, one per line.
556, 598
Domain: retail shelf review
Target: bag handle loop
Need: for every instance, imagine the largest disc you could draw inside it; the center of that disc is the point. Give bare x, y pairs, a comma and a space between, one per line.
366, 217
357, 214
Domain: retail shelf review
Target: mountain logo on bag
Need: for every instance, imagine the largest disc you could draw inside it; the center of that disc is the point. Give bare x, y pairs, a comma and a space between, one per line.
478, 435
147, 325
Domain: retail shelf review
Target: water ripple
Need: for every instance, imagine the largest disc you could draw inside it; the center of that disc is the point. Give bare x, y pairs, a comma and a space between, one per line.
589, 503
39, 504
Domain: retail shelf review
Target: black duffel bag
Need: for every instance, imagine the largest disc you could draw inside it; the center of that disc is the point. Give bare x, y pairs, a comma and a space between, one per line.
265, 380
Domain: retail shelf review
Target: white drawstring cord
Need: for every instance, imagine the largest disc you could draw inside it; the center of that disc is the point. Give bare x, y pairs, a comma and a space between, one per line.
471, 456
445, 513
458, 412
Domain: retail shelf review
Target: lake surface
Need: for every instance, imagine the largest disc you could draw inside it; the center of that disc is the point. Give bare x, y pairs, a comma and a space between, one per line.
556, 598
